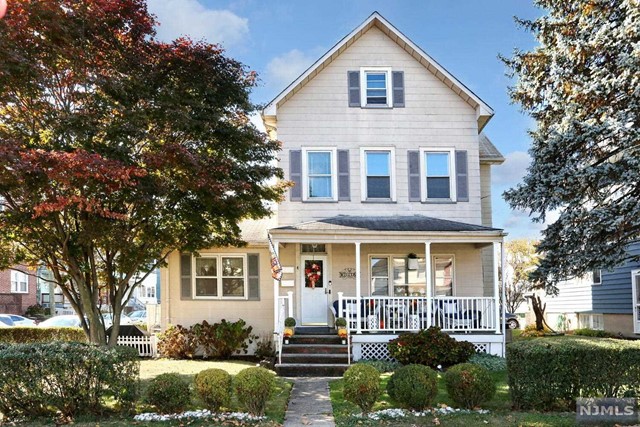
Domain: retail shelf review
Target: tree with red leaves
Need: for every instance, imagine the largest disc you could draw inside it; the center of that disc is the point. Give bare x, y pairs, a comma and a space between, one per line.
117, 149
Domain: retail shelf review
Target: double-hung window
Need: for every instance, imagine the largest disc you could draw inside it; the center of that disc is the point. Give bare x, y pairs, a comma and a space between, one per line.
376, 87
220, 277
438, 175
319, 167
378, 174
19, 282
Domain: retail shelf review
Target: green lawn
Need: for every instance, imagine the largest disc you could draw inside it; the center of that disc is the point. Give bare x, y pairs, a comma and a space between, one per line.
346, 413
187, 369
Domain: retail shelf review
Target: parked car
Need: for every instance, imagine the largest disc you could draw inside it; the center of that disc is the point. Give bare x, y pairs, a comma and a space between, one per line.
108, 320
5, 321
512, 321
138, 316
20, 320
64, 321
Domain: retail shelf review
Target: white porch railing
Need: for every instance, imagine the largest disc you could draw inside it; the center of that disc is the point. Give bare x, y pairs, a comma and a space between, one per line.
285, 309
147, 346
398, 314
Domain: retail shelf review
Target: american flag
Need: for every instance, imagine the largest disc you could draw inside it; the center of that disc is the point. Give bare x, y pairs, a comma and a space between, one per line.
276, 268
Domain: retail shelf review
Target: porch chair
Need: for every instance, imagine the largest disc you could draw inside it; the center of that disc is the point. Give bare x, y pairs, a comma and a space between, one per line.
448, 315
352, 315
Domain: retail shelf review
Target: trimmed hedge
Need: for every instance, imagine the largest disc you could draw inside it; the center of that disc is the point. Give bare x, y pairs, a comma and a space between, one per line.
214, 387
469, 385
169, 393
362, 386
254, 387
30, 334
414, 386
550, 373
40, 379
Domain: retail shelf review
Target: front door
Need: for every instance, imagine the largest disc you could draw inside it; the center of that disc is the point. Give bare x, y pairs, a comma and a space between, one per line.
314, 286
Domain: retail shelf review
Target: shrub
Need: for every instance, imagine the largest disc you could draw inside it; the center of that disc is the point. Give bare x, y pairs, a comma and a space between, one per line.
530, 331
362, 386
36, 310
382, 366
223, 339
490, 362
341, 322
26, 335
430, 347
213, 386
254, 387
290, 322
169, 393
40, 379
469, 385
177, 342
587, 332
413, 386
264, 347
550, 373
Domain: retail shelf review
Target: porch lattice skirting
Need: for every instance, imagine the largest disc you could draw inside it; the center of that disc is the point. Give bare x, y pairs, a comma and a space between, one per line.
374, 347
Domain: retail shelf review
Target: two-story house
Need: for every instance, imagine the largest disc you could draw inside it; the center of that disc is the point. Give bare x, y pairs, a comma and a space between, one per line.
388, 223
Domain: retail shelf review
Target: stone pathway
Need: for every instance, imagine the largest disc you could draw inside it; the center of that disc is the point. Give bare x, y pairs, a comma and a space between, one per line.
309, 404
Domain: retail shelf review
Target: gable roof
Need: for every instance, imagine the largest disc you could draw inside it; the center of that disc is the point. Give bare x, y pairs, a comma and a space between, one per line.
483, 111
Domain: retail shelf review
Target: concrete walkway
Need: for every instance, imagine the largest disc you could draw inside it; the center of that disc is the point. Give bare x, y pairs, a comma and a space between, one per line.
309, 404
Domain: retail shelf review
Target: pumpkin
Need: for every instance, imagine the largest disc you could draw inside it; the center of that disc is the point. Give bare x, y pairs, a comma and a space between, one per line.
288, 332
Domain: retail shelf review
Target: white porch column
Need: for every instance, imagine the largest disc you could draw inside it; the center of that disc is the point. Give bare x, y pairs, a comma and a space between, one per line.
427, 275
276, 293
358, 290
503, 259
496, 286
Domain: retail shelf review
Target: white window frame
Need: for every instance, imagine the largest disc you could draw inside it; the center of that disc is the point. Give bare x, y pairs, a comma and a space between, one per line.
433, 273
16, 275
390, 285
593, 280
587, 320
363, 172
334, 174
219, 276
452, 174
363, 86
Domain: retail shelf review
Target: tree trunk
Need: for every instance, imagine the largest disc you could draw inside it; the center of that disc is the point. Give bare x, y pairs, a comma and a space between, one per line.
538, 310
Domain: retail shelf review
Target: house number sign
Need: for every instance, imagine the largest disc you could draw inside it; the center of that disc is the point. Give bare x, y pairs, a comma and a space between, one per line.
347, 273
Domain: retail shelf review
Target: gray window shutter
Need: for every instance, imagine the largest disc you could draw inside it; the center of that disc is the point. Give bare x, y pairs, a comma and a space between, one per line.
185, 276
354, 88
344, 188
398, 88
414, 175
254, 276
295, 175
462, 177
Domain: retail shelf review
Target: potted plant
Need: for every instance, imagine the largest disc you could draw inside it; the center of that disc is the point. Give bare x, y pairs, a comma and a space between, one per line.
341, 325
412, 261
289, 329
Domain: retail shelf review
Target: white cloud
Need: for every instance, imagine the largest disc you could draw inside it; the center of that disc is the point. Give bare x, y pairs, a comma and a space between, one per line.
520, 225
188, 17
512, 170
284, 69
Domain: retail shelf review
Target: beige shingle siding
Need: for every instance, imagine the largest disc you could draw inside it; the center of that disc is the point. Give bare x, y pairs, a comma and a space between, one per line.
318, 115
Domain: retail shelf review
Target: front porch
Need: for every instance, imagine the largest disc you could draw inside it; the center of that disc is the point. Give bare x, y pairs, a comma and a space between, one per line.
391, 275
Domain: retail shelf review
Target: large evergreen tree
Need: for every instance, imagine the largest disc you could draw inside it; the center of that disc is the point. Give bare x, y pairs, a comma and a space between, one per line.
116, 149
582, 87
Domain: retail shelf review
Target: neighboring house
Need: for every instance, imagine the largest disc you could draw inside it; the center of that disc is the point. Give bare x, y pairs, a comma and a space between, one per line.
604, 299
17, 290
390, 215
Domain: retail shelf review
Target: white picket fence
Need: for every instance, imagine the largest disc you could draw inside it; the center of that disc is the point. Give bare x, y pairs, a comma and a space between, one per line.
146, 346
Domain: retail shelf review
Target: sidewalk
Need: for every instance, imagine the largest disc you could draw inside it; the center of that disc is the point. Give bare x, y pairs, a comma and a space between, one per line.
309, 404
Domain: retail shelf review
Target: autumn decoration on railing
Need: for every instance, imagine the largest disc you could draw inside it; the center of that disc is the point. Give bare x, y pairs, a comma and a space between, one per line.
312, 273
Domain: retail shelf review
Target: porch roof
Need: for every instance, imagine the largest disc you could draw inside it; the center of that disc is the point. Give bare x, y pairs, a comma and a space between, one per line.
406, 227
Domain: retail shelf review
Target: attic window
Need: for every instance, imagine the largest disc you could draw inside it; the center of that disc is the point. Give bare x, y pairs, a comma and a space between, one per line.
375, 91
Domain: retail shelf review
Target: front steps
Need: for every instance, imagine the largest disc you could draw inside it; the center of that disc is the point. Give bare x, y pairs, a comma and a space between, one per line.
313, 352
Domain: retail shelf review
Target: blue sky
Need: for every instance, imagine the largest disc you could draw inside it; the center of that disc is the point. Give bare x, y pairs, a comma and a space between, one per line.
280, 39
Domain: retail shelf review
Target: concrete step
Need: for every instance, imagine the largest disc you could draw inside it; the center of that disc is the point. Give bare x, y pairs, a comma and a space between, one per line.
315, 339
315, 359
314, 349
315, 370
